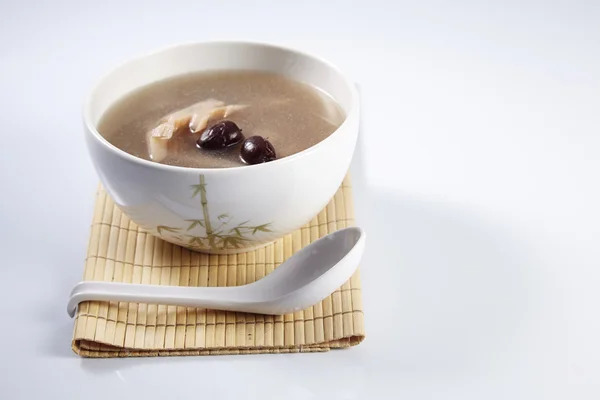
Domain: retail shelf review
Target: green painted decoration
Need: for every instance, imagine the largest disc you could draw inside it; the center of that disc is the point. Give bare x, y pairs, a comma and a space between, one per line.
219, 235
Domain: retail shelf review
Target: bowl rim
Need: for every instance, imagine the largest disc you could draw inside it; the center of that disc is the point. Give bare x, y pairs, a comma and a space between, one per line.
353, 110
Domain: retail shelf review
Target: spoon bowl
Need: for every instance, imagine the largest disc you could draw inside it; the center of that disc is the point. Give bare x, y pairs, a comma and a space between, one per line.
306, 278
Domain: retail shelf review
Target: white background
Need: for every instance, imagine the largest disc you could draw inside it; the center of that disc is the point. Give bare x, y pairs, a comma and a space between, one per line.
477, 180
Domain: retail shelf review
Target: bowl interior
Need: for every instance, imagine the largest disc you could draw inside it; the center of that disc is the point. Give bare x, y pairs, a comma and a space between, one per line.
217, 56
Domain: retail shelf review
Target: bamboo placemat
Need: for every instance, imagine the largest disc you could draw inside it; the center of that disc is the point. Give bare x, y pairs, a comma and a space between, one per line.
120, 252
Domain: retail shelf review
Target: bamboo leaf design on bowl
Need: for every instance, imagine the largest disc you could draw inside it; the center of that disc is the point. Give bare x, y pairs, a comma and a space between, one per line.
194, 223
196, 240
218, 233
162, 228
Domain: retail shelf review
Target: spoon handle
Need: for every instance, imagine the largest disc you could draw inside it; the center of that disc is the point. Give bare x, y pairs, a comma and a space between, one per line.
200, 297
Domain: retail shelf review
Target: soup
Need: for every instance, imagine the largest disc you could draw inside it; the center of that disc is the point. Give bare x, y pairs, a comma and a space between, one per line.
221, 119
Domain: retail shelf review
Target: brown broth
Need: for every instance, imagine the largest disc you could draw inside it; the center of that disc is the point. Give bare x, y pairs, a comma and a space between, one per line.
292, 115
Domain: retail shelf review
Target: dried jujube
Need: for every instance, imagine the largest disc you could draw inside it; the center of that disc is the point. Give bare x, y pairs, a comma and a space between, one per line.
220, 135
257, 150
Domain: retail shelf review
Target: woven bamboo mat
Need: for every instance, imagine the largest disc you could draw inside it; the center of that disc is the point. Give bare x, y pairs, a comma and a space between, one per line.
120, 252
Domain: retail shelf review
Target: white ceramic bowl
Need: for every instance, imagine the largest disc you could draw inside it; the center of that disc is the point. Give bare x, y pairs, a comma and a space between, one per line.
225, 210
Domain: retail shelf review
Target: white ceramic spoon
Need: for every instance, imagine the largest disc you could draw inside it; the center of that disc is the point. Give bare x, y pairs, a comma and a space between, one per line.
303, 280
